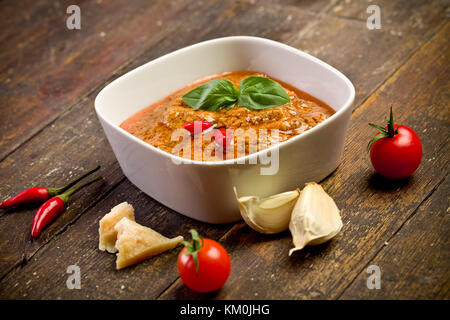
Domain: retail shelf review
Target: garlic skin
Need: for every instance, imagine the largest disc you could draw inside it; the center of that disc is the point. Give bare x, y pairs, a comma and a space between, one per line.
268, 215
315, 218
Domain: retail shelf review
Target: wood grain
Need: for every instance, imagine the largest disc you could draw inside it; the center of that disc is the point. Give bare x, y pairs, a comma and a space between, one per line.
60, 152
367, 57
415, 263
45, 68
315, 6
261, 269
80, 142
401, 17
45, 275
373, 209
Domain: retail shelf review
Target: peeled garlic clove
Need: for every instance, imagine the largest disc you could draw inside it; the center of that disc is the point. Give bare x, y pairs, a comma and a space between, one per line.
268, 215
315, 218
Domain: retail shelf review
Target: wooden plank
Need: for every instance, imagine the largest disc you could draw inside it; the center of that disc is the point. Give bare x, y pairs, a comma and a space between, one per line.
79, 138
58, 154
373, 209
367, 57
315, 6
45, 276
45, 68
200, 27
30, 111
229, 20
414, 264
401, 17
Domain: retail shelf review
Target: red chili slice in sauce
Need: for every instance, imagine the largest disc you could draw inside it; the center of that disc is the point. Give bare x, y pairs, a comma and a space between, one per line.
220, 137
189, 126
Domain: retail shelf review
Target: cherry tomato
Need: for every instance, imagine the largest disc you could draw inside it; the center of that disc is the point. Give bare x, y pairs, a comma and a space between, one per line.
396, 151
203, 125
203, 264
220, 137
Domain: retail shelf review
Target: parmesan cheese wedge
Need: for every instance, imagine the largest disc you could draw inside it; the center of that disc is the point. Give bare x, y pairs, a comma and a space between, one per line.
107, 233
137, 243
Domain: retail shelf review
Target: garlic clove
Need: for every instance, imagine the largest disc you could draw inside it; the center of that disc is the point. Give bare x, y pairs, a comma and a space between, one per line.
268, 215
315, 218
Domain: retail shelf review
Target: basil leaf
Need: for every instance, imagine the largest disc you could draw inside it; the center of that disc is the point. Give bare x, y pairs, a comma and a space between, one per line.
213, 95
261, 93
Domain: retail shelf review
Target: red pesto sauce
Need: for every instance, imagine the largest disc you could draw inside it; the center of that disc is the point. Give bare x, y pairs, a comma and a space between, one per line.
156, 123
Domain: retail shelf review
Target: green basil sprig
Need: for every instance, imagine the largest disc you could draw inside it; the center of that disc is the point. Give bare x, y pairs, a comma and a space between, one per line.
212, 95
261, 93
256, 93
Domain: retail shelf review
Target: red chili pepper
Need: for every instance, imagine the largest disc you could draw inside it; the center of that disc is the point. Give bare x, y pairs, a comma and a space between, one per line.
220, 137
189, 126
52, 208
39, 194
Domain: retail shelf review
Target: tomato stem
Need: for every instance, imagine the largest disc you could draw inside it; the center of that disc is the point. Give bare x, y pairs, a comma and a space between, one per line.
390, 121
194, 247
385, 132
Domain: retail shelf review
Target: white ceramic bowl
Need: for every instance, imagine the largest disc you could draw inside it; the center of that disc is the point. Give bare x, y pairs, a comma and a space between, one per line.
204, 190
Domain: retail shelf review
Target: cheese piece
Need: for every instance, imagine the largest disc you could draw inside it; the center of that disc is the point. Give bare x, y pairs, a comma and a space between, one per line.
137, 243
107, 233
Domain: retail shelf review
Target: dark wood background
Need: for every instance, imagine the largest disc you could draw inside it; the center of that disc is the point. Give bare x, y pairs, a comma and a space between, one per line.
49, 133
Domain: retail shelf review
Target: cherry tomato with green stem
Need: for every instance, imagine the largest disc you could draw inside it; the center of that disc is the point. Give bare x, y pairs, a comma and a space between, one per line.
396, 150
203, 264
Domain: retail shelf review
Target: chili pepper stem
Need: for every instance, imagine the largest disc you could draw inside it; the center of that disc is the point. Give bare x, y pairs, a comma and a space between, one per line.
65, 196
55, 191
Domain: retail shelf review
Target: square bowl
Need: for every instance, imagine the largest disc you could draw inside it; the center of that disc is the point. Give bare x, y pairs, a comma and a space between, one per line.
204, 190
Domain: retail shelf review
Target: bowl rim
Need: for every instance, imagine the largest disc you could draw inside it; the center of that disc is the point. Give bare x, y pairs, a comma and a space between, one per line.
346, 105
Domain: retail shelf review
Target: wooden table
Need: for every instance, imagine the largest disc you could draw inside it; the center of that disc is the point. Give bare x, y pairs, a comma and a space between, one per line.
50, 76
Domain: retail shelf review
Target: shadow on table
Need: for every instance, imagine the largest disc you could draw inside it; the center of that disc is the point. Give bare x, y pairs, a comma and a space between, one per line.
377, 182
